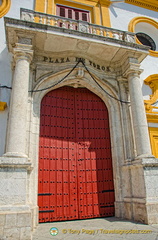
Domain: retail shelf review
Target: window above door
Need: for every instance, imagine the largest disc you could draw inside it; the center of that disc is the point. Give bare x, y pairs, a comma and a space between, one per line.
72, 13
95, 11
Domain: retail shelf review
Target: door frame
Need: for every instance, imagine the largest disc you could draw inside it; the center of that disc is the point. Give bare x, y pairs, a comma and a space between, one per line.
115, 122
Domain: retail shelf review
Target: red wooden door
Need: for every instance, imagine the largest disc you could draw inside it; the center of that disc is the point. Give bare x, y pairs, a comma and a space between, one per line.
75, 165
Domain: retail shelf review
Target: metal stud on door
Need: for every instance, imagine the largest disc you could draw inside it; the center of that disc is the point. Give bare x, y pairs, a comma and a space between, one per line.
75, 166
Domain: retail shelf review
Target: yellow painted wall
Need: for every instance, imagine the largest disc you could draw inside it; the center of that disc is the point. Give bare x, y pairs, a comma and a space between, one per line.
3, 106
4, 7
153, 132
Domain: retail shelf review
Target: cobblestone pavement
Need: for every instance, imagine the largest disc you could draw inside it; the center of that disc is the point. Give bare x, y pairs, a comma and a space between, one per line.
99, 228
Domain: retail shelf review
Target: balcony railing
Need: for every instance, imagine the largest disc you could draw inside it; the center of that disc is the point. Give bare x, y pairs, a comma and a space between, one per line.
76, 25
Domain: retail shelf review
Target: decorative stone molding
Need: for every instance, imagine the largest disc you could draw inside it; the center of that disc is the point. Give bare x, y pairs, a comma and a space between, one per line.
13, 162
131, 66
152, 82
83, 27
4, 7
149, 4
24, 40
23, 51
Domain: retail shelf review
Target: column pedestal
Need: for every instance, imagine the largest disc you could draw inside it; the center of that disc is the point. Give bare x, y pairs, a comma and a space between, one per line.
141, 201
16, 217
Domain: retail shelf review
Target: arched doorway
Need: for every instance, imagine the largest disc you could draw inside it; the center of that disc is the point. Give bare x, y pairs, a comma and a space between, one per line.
75, 164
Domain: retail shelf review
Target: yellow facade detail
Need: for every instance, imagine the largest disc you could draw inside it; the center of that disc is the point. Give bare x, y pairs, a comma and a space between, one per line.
152, 112
153, 118
106, 3
152, 82
135, 21
3, 106
105, 15
149, 4
99, 10
4, 7
153, 132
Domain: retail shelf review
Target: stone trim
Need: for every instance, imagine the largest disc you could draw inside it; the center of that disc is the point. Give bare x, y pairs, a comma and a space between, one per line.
149, 4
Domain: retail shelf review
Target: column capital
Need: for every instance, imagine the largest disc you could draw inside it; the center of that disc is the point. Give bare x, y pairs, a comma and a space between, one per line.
23, 52
131, 67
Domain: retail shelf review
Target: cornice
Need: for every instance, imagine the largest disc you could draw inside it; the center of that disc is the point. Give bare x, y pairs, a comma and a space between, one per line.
105, 3
148, 4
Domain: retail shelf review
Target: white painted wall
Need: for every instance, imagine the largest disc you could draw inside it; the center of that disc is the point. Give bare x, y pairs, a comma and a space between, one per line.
122, 13
5, 65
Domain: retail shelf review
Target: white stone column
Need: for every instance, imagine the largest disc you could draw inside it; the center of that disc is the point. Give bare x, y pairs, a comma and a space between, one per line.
138, 111
16, 138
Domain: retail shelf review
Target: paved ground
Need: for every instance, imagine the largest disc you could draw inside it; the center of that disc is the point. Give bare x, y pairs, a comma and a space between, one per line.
97, 229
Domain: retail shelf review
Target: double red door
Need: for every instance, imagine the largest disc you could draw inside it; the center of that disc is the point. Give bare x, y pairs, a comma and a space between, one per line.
75, 165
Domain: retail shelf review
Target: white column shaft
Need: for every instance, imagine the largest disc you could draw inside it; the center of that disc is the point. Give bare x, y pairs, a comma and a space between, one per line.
16, 143
139, 115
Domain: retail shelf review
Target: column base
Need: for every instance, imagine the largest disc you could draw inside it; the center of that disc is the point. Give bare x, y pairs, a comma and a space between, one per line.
140, 211
15, 161
140, 200
15, 225
135, 209
15, 214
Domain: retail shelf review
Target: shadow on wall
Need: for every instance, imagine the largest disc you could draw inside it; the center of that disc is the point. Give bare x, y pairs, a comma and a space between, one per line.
132, 9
